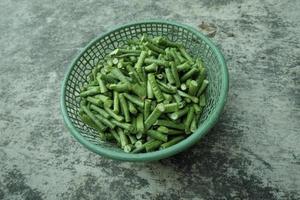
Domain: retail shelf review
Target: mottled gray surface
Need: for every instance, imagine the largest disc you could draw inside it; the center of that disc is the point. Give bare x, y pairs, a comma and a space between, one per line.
252, 153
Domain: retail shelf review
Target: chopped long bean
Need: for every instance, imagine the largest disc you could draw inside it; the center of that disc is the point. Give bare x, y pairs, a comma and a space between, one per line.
144, 96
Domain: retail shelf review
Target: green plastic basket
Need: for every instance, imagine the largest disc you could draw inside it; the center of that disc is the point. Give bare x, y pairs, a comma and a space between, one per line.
197, 44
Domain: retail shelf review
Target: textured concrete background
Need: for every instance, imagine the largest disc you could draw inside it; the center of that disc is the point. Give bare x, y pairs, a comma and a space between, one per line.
252, 153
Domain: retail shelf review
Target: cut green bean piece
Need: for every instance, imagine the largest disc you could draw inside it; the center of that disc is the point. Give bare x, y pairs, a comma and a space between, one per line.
139, 135
139, 63
169, 75
172, 142
163, 129
201, 77
113, 115
123, 125
150, 94
181, 59
123, 137
168, 98
140, 90
140, 123
128, 148
165, 42
170, 124
105, 121
189, 118
124, 108
100, 111
94, 101
147, 108
175, 74
116, 102
174, 55
132, 139
126, 55
132, 108
169, 131
93, 118
177, 98
179, 113
134, 100
184, 67
171, 107
193, 88
119, 75
133, 78
183, 86
93, 91
159, 109
167, 88
202, 101
193, 127
120, 87
157, 61
134, 73
155, 48
157, 135
203, 87
122, 51
133, 58
198, 109
101, 83
183, 94
105, 100
160, 76
138, 144
108, 78
153, 145
151, 68
189, 74
94, 73
185, 54
138, 149
156, 90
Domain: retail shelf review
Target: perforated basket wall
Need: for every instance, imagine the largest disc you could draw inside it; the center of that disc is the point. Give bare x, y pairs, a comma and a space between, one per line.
96, 50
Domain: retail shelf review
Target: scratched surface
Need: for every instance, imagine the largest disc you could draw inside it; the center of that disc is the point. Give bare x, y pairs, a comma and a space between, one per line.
252, 153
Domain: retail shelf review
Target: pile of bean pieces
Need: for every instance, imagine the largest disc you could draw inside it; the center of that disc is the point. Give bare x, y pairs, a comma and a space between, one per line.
146, 95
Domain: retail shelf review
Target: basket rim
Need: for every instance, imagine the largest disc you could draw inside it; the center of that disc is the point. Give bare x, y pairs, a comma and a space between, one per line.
160, 154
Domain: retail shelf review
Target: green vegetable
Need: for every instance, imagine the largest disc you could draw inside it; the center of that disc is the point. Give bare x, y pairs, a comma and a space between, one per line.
116, 102
169, 123
147, 108
189, 119
93, 118
139, 63
93, 91
113, 115
144, 96
172, 142
134, 100
156, 90
94, 101
153, 145
124, 108
157, 135
175, 74
100, 111
159, 109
